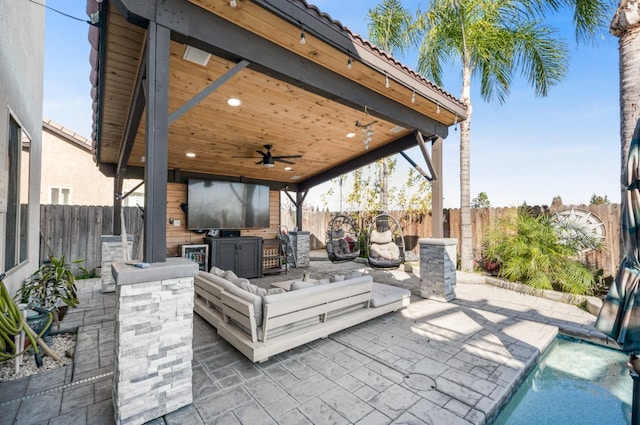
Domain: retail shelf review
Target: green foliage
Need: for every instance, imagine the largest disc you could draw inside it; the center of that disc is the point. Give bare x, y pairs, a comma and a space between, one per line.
54, 281
481, 201
528, 250
599, 200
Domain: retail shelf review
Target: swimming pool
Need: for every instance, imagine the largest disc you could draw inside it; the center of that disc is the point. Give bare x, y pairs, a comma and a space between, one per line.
575, 382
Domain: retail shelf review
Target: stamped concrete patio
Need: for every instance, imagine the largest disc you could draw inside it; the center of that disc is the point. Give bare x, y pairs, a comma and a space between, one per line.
431, 363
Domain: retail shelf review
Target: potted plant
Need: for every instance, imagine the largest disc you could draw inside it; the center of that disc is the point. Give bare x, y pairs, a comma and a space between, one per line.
51, 288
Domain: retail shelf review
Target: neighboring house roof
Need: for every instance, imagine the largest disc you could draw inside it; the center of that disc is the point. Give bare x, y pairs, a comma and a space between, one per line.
67, 135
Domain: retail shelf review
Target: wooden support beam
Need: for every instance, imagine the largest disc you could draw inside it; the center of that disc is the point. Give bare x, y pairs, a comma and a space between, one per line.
437, 194
183, 109
156, 148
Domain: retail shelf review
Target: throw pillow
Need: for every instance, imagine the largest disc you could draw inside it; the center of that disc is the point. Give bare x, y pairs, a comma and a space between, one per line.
253, 289
229, 275
381, 237
217, 271
301, 285
238, 280
273, 291
336, 278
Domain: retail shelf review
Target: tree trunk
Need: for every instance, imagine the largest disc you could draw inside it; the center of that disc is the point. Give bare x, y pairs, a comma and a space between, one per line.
626, 26
466, 249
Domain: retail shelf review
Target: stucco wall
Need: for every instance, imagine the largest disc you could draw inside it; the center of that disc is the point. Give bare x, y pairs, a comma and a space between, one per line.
21, 70
66, 164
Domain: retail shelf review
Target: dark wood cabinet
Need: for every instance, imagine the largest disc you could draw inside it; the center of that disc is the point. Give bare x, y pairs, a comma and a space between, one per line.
241, 255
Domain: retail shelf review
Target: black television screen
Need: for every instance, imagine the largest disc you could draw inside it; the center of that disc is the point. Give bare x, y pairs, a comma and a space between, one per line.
216, 204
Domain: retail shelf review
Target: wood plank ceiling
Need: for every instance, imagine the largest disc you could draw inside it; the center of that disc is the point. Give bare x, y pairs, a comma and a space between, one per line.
294, 120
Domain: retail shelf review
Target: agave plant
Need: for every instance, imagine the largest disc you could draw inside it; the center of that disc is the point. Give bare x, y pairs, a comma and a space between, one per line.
52, 285
529, 250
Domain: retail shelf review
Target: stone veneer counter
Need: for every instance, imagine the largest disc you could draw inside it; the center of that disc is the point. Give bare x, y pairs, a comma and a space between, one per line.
153, 346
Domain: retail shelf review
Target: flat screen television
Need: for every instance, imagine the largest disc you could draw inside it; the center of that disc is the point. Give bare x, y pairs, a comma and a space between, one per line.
216, 204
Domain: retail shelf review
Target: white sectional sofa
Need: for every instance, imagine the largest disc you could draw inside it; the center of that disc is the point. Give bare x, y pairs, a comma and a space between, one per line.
262, 323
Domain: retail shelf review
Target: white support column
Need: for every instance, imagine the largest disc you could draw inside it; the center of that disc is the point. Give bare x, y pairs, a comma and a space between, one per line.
154, 333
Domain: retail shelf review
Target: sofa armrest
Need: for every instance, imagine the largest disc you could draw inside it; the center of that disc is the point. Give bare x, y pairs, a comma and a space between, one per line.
240, 311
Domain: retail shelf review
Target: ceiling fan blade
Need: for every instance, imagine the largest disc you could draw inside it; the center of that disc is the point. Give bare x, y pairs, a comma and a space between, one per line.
288, 156
275, 158
262, 153
260, 162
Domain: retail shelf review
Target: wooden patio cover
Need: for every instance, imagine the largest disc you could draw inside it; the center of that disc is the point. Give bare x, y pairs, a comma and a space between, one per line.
152, 106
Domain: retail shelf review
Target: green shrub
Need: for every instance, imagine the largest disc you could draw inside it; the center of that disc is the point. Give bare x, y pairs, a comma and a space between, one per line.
528, 250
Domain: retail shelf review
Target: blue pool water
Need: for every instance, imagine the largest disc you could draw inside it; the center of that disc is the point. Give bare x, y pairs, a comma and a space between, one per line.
575, 382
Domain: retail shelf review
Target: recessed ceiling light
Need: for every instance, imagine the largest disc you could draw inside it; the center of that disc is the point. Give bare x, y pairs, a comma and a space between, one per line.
190, 155
233, 102
350, 135
288, 168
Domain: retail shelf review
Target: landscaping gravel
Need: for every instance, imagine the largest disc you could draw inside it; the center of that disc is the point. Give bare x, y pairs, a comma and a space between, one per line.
62, 344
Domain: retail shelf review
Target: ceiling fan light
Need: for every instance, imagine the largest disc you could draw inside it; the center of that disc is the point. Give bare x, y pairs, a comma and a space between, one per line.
268, 164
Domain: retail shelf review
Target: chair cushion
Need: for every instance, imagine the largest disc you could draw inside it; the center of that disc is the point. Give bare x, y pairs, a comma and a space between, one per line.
381, 237
387, 251
383, 294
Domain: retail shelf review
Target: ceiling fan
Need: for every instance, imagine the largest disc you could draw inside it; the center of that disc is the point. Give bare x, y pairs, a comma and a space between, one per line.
269, 160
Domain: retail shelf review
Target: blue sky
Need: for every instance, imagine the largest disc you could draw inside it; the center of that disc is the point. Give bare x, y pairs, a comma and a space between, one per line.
528, 149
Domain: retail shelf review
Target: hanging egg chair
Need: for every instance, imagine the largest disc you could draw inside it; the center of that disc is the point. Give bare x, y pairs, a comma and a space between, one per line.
385, 244
342, 242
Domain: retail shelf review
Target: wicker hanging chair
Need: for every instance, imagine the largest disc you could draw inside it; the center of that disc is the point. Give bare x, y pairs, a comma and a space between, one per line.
385, 243
343, 242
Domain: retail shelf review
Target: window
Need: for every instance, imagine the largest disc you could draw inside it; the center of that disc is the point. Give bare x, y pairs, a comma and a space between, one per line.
17, 216
60, 196
136, 198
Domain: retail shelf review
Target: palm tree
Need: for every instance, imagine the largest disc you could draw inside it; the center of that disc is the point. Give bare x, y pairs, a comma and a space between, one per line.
391, 27
626, 26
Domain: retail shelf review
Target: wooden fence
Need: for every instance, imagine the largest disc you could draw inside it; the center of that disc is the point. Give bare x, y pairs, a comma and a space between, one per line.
481, 220
75, 231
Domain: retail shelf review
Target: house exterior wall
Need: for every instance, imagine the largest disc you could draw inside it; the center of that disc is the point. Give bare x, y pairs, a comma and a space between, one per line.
21, 83
68, 164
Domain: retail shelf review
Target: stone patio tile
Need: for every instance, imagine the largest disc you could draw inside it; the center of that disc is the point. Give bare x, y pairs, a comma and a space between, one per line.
408, 419
434, 414
366, 393
76, 397
349, 383
346, 359
39, 409
281, 375
394, 401
222, 402
319, 413
323, 365
75, 417
429, 367
298, 369
47, 380
101, 413
203, 384
345, 403
391, 374
455, 390
187, 415
102, 389
226, 419
222, 373
12, 390
253, 414
295, 417
309, 388
374, 418
326, 346
374, 380
457, 407
351, 339
282, 406
230, 381
8, 413
264, 390
223, 360
480, 386
247, 370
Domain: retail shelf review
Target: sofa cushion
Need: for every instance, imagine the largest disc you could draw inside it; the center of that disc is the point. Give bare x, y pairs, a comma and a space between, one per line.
302, 285
383, 294
292, 296
336, 278
217, 271
231, 288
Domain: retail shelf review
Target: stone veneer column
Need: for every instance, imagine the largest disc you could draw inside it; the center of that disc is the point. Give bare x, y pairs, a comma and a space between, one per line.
438, 268
300, 244
153, 346
112, 253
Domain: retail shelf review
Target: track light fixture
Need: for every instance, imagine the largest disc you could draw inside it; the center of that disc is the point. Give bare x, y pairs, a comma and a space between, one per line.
413, 97
455, 124
437, 108
386, 79
349, 62
233, 3
303, 40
